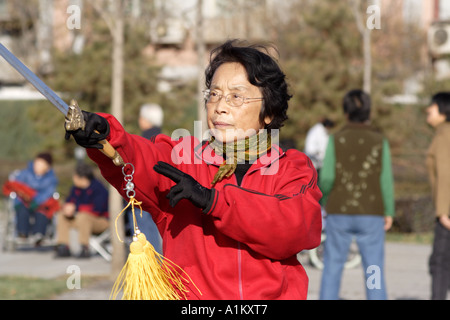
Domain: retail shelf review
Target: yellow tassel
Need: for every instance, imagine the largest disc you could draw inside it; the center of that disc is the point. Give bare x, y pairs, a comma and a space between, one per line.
147, 275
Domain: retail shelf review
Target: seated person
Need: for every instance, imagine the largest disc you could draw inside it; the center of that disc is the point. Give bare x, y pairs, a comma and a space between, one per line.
86, 209
38, 183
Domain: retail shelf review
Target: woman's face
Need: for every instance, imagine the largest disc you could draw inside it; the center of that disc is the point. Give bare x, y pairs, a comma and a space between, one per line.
434, 118
229, 123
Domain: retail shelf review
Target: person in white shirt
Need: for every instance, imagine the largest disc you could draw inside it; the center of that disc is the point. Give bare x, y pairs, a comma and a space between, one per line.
316, 142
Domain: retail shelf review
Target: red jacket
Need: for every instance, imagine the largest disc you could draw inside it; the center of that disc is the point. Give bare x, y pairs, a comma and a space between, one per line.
245, 247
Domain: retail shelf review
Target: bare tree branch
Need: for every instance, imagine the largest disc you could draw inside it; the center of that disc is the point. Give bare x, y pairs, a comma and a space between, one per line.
100, 8
357, 14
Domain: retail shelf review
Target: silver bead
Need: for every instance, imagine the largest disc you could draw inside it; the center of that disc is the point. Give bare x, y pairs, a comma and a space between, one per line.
129, 186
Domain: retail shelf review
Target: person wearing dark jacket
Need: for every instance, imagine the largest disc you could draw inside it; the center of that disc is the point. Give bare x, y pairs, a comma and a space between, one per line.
86, 209
234, 210
150, 120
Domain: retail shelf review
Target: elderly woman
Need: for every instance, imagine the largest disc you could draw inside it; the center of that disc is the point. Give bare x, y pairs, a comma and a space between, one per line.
235, 210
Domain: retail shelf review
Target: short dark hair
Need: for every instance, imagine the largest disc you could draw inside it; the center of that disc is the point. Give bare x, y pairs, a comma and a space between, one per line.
262, 71
356, 104
327, 123
83, 170
47, 156
442, 99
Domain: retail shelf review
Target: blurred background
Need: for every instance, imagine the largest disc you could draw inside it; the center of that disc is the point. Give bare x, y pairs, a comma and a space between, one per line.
157, 50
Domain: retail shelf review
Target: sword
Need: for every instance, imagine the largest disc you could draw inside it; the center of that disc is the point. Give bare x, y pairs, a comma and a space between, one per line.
73, 116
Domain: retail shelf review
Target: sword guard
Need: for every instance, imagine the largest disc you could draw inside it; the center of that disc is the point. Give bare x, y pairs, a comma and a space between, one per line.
74, 118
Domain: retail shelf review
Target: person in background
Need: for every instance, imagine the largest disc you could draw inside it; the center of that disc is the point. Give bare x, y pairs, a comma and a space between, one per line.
315, 146
438, 155
41, 179
316, 142
358, 194
86, 209
150, 121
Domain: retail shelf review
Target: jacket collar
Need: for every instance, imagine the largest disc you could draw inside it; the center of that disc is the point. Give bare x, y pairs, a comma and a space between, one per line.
445, 126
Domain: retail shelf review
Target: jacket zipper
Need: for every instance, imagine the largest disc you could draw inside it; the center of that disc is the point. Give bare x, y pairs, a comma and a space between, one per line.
241, 297
239, 255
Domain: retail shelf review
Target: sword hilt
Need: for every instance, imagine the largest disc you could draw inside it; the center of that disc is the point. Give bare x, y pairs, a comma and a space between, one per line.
75, 121
109, 151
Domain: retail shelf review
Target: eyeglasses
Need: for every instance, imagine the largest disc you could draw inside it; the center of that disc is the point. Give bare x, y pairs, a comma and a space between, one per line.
232, 99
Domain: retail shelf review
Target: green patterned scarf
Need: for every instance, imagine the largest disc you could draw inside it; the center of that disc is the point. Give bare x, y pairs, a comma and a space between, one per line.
238, 152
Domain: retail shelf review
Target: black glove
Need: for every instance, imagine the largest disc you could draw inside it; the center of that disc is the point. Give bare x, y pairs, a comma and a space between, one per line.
186, 187
96, 129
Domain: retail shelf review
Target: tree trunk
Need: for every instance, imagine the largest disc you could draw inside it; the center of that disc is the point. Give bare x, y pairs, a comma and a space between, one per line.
115, 200
201, 113
367, 55
367, 48
44, 36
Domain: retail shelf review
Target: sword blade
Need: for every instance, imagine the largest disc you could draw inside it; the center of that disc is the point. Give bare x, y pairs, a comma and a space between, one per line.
48, 93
